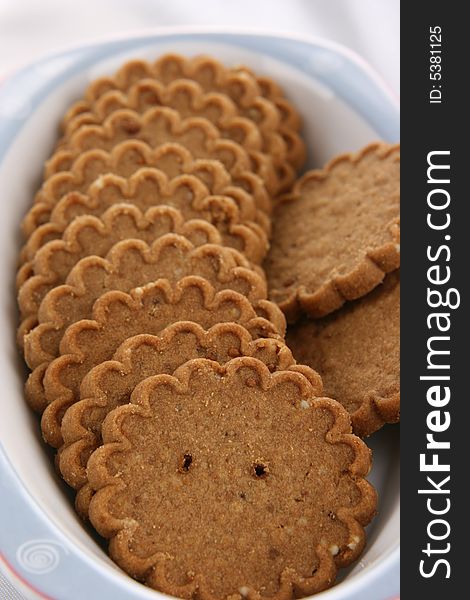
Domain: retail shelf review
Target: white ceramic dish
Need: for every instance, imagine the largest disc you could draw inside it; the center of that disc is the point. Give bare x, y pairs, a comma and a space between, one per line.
45, 550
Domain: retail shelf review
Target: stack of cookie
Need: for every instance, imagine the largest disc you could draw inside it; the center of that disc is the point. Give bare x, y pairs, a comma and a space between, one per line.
195, 442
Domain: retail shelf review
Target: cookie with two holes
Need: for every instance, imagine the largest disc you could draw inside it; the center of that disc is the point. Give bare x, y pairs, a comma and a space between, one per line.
110, 383
229, 481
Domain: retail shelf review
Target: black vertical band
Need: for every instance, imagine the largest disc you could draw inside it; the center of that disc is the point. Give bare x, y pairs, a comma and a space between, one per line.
435, 328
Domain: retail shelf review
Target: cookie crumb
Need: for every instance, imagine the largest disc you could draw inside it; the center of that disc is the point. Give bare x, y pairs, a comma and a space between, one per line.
334, 549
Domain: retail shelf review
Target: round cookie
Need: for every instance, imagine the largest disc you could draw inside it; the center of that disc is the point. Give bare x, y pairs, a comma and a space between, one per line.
239, 83
128, 157
129, 264
116, 316
145, 188
230, 482
159, 125
110, 383
91, 236
189, 100
256, 99
357, 352
338, 233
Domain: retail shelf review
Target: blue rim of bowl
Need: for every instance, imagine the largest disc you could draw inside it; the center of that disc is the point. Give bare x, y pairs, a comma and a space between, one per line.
351, 78
33, 545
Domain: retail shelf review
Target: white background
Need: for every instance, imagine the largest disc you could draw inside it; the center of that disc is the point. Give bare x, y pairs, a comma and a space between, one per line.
29, 28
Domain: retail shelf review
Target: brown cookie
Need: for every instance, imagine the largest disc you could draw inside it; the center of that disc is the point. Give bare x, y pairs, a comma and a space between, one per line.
130, 156
230, 482
130, 264
238, 129
159, 125
357, 352
91, 236
239, 83
291, 121
337, 235
145, 188
149, 309
110, 383
257, 98
270, 89
188, 98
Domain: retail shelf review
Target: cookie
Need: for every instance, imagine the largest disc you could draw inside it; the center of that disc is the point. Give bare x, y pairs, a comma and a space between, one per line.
88, 235
270, 89
357, 352
231, 482
337, 235
189, 194
145, 188
88, 343
255, 97
157, 126
291, 121
188, 98
217, 110
130, 264
42, 344
127, 158
110, 383
237, 83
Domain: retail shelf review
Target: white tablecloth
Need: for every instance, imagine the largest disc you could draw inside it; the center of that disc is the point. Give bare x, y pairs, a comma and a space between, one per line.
29, 28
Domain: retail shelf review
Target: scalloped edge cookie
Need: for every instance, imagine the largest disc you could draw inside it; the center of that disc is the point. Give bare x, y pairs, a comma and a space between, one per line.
143, 355
369, 327
259, 99
338, 285
53, 262
92, 167
145, 188
131, 263
188, 98
160, 125
254, 379
85, 338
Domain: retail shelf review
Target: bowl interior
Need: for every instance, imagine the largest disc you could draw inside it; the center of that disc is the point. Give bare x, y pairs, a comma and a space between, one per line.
330, 126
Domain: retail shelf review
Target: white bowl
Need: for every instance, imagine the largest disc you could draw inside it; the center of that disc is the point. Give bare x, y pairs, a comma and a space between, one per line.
45, 550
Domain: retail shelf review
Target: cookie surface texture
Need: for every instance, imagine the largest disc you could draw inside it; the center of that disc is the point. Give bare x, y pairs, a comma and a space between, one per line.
209, 483
176, 81
157, 126
357, 352
130, 264
188, 98
144, 189
90, 173
111, 383
338, 234
91, 236
119, 316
